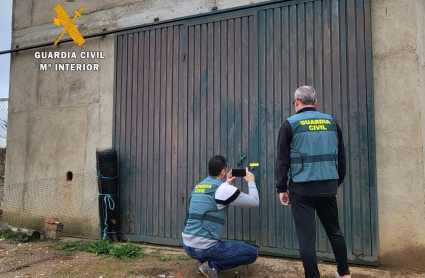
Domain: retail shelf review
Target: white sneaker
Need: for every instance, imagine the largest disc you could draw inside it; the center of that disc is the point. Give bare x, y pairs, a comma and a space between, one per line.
345, 276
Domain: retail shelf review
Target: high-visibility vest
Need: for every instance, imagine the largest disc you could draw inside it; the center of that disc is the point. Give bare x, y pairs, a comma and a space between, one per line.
204, 218
314, 147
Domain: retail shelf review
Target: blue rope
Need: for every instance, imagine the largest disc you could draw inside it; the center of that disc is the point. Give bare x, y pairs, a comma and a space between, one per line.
109, 203
99, 175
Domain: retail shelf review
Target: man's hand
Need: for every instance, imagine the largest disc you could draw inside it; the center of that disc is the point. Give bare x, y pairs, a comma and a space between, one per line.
249, 177
230, 178
284, 198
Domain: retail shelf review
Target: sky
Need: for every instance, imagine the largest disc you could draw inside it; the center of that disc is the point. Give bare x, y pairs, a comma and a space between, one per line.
5, 41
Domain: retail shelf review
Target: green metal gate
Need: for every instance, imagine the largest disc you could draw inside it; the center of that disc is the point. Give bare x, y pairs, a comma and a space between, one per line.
223, 83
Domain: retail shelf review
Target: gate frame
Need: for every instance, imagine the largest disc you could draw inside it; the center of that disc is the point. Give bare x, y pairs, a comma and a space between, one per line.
242, 10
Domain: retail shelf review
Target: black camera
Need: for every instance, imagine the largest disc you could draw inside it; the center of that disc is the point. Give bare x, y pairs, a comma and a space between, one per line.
238, 172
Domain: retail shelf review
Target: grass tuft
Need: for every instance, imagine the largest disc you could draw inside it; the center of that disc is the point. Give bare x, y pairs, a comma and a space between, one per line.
104, 247
166, 258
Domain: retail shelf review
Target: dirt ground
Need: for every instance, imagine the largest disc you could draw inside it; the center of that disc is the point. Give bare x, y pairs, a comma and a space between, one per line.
41, 259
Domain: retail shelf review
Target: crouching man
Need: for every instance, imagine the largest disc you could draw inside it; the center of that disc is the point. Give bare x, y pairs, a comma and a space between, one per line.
208, 206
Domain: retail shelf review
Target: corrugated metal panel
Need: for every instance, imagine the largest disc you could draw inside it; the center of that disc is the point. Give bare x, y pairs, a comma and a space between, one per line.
325, 44
182, 95
148, 68
223, 84
221, 79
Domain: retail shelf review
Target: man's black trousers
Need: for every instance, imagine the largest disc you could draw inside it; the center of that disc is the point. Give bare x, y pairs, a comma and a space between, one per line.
303, 211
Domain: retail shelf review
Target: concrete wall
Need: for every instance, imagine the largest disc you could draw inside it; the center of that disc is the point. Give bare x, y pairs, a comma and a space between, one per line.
398, 58
420, 6
57, 120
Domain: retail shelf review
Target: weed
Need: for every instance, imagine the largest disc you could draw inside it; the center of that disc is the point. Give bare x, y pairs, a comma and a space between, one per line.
19, 239
100, 247
103, 247
133, 272
5, 236
69, 254
74, 246
126, 251
97, 247
156, 251
164, 259
54, 245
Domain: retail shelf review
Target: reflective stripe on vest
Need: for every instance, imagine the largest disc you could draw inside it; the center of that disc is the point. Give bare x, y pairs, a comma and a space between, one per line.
204, 218
314, 147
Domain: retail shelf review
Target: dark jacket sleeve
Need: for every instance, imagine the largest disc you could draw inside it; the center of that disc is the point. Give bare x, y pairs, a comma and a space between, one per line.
282, 164
342, 163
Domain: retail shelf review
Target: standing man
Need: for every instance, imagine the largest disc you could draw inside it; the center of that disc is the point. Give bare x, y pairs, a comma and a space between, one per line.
208, 206
310, 152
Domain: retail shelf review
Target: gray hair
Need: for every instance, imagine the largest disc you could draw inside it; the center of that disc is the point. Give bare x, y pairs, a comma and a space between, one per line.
305, 94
